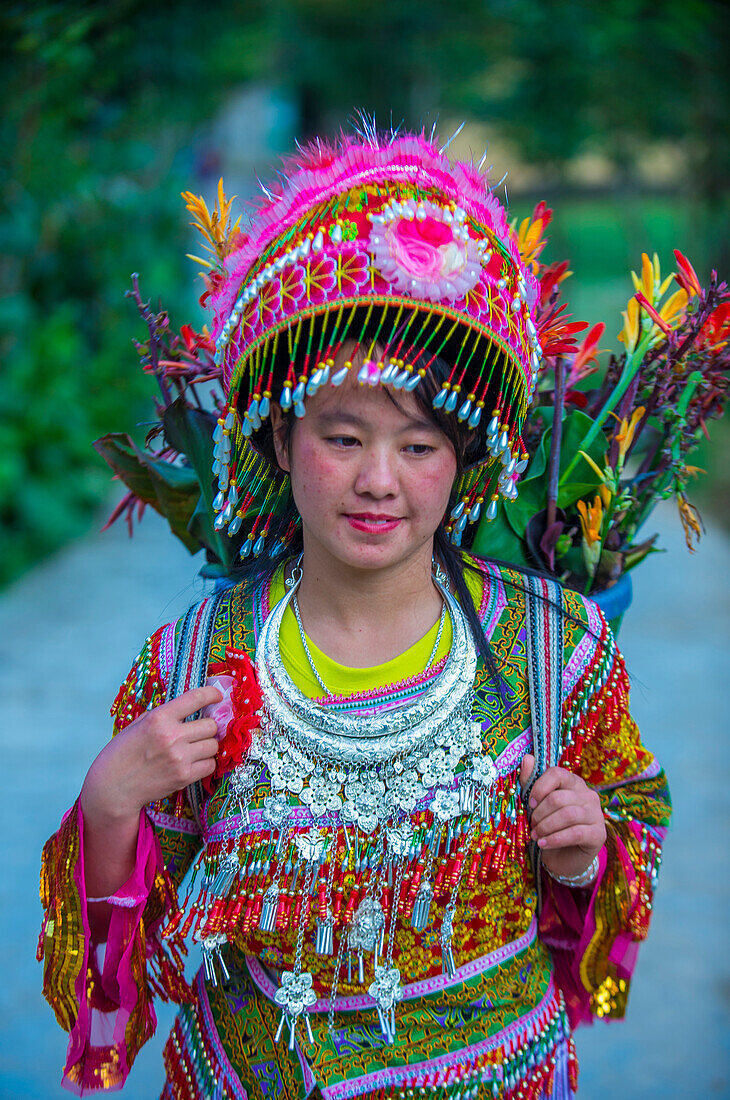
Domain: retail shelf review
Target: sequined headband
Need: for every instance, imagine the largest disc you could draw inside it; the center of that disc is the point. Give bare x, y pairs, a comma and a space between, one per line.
384, 243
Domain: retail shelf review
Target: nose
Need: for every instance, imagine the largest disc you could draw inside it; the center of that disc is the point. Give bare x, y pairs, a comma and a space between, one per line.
376, 475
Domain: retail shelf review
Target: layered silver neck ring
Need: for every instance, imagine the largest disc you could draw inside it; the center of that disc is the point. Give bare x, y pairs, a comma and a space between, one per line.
366, 740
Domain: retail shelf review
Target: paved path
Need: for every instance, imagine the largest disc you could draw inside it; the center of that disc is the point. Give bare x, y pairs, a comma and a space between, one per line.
67, 634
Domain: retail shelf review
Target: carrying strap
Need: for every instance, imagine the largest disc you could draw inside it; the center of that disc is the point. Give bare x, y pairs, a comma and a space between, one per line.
190, 668
544, 622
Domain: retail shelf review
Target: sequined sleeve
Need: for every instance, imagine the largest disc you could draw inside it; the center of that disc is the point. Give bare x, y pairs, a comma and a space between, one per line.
594, 934
102, 994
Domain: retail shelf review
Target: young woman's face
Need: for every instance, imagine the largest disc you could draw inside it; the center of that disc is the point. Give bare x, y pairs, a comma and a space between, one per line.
371, 479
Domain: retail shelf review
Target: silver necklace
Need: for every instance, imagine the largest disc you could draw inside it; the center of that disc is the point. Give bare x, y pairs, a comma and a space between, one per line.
320, 681
366, 774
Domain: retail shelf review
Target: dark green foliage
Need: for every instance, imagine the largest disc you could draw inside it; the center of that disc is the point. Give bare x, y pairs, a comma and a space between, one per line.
99, 101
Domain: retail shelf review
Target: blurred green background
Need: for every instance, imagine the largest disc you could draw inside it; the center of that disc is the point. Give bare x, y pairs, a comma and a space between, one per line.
614, 113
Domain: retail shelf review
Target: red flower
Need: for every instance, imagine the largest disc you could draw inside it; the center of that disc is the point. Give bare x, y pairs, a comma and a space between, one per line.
577, 398
237, 714
551, 277
686, 276
587, 354
196, 340
557, 332
715, 332
656, 317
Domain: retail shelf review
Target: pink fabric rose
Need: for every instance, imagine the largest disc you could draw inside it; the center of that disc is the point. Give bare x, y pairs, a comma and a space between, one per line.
424, 251
417, 246
222, 712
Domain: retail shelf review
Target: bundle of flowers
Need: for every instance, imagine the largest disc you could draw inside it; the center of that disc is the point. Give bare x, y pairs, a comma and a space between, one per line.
607, 444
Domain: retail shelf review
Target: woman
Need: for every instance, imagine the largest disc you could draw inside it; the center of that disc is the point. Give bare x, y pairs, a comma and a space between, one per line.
418, 863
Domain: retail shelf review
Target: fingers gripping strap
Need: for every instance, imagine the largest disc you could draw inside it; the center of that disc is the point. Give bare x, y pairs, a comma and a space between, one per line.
544, 624
190, 668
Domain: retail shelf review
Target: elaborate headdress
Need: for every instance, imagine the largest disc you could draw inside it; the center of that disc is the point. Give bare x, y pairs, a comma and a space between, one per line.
380, 241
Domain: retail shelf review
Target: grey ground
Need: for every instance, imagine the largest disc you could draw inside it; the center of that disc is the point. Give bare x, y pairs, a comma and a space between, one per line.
68, 632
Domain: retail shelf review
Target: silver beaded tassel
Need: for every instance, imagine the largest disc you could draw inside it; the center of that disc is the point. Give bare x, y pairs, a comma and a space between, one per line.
324, 935
424, 895
269, 909
211, 950
447, 955
422, 906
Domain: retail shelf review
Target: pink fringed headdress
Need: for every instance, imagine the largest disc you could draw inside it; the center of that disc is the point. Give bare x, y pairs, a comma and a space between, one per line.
380, 241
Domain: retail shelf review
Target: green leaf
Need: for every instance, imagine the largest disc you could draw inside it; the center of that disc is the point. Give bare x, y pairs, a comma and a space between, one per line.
532, 489
190, 431
171, 490
496, 539
218, 544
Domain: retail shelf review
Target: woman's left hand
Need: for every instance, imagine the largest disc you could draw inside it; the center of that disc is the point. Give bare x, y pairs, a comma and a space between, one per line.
566, 819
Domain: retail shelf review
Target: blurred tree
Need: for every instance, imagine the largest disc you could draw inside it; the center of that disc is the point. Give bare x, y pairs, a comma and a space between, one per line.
100, 104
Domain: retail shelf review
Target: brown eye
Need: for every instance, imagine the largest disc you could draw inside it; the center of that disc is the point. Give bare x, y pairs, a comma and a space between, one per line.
343, 440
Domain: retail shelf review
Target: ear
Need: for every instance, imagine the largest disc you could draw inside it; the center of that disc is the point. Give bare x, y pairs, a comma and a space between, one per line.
280, 437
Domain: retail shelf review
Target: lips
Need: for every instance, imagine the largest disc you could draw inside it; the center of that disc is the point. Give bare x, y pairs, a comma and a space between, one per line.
372, 522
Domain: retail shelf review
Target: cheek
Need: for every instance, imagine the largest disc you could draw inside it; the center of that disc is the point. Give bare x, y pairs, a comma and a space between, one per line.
315, 475
431, 488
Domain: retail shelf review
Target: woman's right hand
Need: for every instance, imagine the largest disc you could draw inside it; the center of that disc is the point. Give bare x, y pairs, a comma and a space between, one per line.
152, 757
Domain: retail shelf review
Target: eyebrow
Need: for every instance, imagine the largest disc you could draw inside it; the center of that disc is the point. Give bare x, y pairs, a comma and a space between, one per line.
329, 418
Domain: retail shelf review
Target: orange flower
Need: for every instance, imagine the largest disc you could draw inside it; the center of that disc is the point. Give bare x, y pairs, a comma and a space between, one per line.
214, 226
650, 284
625, 435
591, 519
649, 291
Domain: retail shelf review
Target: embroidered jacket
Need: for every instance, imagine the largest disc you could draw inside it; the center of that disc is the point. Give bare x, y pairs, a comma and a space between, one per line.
500, 1024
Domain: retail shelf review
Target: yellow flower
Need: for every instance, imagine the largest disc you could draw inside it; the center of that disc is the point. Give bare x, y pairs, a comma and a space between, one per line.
659, 319
629, 334
674, 307
625, 435
650, 284
530, 236
605, 494
591, 519
215, 226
